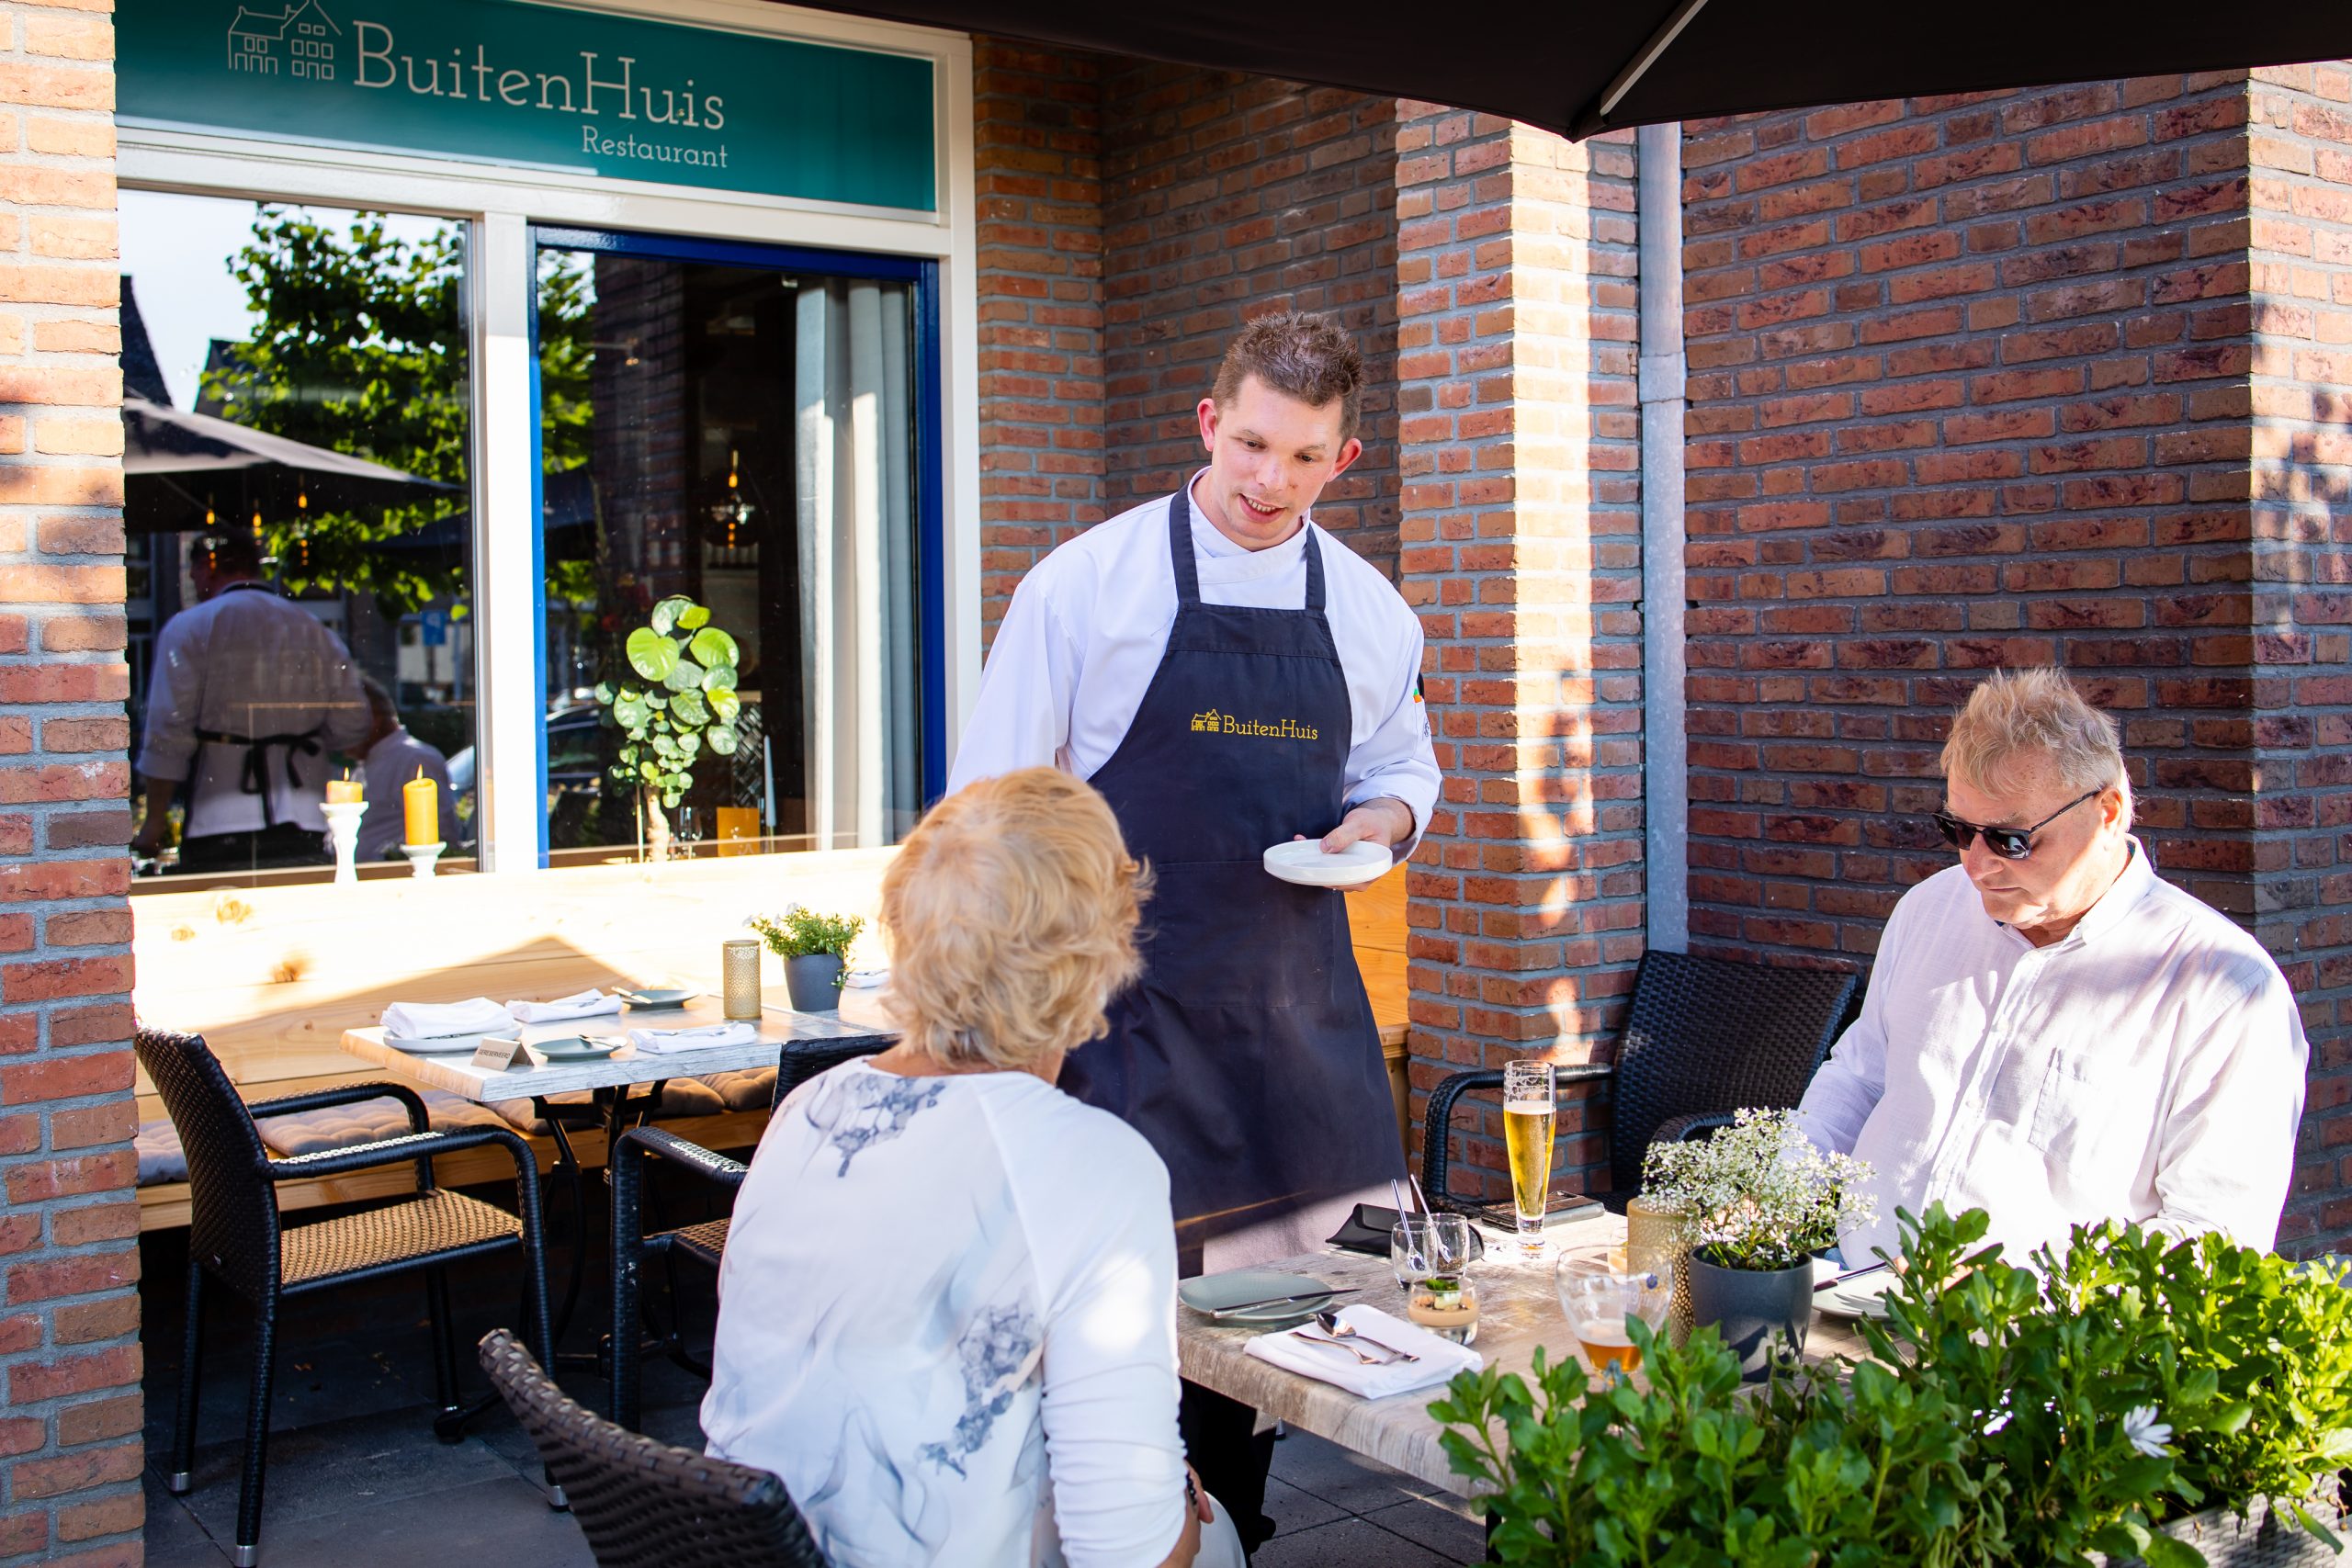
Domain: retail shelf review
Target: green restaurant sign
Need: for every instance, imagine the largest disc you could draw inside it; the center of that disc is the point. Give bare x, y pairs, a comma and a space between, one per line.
541, 86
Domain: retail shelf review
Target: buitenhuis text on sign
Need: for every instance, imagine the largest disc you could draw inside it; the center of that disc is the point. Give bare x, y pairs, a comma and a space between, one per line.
541, 84
1215, 723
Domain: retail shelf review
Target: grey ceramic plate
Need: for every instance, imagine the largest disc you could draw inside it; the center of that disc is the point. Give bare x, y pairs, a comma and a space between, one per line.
646, 1001
1214, 1292
576, 1048
442, 1044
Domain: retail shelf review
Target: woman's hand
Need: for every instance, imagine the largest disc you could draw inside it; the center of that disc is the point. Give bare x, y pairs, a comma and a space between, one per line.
1197, 1513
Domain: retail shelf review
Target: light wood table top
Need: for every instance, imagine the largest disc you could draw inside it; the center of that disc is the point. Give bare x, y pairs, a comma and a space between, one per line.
1517, 1312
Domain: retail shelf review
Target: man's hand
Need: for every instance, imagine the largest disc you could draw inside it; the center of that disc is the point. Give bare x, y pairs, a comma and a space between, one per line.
148, 841
1386, 821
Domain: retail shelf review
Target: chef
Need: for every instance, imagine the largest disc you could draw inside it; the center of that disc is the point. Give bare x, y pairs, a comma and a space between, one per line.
1231, 677
247, 697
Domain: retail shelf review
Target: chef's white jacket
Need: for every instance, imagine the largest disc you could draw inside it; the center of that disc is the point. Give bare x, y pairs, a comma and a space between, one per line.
2148, 1066
248, 663
1088, 626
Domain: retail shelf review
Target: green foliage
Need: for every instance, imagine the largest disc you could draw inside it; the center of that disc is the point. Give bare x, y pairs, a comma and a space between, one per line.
681, 702
802, 933
2012, 1415
1759, 1195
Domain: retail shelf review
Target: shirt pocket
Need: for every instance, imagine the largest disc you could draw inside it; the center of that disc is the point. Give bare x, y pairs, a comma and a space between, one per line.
2080, 1102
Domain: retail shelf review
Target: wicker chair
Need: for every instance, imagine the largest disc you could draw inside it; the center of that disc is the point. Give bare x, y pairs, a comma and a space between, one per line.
1706, 1036
236, 1236
634, 1248
643, 1503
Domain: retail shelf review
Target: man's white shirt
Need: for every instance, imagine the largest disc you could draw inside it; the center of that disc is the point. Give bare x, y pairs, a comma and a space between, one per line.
2147, 1066
1087, 627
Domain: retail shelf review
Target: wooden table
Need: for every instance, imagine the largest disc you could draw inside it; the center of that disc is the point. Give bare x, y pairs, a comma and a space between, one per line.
1517, 1312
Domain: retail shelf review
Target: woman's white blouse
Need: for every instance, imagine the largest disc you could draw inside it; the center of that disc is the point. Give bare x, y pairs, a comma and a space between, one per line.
947, 1321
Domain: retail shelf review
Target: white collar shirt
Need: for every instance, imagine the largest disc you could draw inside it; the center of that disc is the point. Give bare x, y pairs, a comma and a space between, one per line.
389, 765
2147, 1066
1088, 626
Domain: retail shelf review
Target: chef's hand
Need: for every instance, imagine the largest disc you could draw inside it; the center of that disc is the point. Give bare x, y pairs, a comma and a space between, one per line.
148, 841
1386, 821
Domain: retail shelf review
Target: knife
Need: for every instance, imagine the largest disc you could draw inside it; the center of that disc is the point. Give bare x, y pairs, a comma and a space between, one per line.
1282, 1301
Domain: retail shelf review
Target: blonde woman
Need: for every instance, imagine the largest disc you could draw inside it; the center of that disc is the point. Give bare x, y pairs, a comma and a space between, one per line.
946, 1316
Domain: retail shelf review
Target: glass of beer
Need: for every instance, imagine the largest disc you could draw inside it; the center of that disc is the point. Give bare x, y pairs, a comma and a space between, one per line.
1527, 1134
1601, 1304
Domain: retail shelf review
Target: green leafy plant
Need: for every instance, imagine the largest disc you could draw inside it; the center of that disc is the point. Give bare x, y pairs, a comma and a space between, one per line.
681, 701
802, 933
2046, 1415
1759, 1195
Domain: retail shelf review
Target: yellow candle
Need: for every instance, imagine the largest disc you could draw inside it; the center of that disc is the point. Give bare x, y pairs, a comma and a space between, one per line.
343, 792
421, 806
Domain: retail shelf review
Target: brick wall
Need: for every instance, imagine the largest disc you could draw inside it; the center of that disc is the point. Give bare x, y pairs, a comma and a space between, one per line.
1968, 390
69, 1315
1519, 448
2300, 239
1037, 152
1224, 197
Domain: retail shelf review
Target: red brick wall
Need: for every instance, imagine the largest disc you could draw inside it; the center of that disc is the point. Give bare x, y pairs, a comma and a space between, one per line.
69, 1315
2300, 155
1968, 389
1037, 152
1518, 445
1227, 196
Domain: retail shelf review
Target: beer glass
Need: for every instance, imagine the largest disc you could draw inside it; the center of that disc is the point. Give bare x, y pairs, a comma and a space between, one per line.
1602, 1304
1527, 1135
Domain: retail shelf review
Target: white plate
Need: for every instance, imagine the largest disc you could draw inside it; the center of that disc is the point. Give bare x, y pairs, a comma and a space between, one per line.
1865, 1297
1303, 861
443, 1044
650, 1000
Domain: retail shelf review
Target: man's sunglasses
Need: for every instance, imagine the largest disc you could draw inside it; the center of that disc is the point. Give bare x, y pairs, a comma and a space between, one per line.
2009, 843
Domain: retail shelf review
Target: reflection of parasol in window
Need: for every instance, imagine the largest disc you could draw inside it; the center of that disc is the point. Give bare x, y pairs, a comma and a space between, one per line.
178, 465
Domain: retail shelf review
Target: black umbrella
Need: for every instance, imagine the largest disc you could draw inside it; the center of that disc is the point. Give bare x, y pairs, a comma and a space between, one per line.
1581, 67
178, 466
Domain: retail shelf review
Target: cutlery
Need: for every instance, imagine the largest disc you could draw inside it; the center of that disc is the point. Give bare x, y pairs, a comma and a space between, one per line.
1330, 1320
1837, 1280
1413, 1259
1282, 1301
1362, 1358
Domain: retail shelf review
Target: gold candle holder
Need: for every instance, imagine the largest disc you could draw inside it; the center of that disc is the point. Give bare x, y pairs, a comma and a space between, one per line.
740, 977
1655, 1243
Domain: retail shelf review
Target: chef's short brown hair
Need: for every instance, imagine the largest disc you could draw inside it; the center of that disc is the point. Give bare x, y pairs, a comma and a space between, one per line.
1010, 911
1300, 355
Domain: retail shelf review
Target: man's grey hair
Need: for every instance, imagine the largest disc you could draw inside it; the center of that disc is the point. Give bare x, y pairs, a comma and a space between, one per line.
2021, 720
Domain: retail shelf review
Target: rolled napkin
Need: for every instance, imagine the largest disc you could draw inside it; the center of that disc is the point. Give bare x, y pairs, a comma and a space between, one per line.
657, 1042
434, 1020
1440, 1357
587, 1004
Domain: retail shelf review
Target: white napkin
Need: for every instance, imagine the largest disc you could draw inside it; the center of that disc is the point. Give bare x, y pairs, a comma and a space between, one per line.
659, 1040
587, 1004
1440, 1357
433, 1021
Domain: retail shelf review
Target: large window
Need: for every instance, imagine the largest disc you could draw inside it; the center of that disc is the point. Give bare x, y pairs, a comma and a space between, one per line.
301, 582
743, 429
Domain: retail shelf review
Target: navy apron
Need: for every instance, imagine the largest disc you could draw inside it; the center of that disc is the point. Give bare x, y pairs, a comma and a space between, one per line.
1247, 1053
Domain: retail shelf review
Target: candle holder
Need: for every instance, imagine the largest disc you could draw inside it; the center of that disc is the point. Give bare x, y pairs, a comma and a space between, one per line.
343, 829
422, 856
740, 977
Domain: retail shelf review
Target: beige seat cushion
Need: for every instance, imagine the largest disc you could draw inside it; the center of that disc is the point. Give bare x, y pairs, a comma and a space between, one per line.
366, 1122
161, 1158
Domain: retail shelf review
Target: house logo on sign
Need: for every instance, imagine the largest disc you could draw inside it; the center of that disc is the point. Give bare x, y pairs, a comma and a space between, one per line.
303, 38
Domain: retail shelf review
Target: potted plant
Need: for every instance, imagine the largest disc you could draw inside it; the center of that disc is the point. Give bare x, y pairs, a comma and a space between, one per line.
1756, 1201
680, 701
813, 948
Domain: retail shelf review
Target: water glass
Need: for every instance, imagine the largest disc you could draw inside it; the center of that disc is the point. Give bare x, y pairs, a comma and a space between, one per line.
1528, 1114
1430, 1255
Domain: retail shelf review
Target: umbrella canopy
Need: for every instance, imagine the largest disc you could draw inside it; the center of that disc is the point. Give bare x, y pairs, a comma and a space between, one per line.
178, 467
158, 439
1580, 66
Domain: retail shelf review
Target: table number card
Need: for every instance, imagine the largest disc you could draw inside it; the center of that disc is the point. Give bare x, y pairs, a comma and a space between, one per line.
502, 1056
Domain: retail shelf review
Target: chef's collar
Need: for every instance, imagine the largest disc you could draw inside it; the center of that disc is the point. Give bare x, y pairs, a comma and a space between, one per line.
1210, 541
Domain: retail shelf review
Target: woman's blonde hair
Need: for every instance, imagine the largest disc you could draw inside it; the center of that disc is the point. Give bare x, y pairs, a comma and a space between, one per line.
2021, 717
1011, 914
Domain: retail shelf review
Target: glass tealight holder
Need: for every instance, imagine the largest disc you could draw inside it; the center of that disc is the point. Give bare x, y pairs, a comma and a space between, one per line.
740, 977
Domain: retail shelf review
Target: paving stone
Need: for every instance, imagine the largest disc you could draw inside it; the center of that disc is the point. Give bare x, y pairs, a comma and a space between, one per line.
1292, 1510
334, 1467
1444, 1524
1348, 1543
1347, 1481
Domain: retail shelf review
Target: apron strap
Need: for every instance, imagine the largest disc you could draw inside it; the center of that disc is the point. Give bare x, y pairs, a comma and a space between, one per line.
1180, 546
254, 778
1314, 572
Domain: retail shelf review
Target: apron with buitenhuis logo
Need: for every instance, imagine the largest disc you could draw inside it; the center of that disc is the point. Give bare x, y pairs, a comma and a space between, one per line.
1247, 1053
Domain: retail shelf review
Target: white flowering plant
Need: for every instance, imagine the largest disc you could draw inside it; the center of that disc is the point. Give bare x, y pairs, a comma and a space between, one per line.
1759, 1195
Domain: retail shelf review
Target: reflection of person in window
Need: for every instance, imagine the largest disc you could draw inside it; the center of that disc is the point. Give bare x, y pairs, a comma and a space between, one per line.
249, 695
393, 757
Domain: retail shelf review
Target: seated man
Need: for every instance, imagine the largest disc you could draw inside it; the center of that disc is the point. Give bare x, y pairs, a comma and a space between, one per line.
2050, 1032
392, 757
947, 1314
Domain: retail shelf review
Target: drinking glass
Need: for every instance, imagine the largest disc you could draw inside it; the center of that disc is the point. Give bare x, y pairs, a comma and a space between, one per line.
1601, 1301
1430, 1255
1527, 1112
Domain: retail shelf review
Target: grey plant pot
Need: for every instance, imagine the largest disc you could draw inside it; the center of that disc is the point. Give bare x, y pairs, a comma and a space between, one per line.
1753, 1309
814, 982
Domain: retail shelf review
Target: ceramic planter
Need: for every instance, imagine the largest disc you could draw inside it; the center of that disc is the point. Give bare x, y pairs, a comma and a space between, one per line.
814, 982
1759, 1314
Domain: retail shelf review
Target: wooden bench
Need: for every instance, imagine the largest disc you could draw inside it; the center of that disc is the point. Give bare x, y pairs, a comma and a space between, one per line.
272, 976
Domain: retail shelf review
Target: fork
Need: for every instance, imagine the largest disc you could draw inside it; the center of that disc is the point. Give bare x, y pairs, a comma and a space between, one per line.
1337, 1329
1362, 1357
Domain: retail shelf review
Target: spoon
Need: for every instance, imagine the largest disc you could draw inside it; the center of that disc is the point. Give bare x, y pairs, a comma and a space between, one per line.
1413, 1259
1363, 1356
1332, 1326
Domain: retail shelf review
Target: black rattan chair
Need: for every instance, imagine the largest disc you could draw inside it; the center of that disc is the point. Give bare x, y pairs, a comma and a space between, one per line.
235, 1234
643, 1503
1705, 1037
634, 1248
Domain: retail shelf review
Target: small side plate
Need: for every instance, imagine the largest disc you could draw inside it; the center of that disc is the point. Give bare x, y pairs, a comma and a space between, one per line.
576, 1048
442, 1044
1216, 1292
1303, 861
650, 1000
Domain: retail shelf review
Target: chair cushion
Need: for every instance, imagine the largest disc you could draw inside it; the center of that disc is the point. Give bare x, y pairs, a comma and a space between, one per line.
398, 1233
524, 1117
751, 1088
365, 1122
161, 1158
748, 1088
